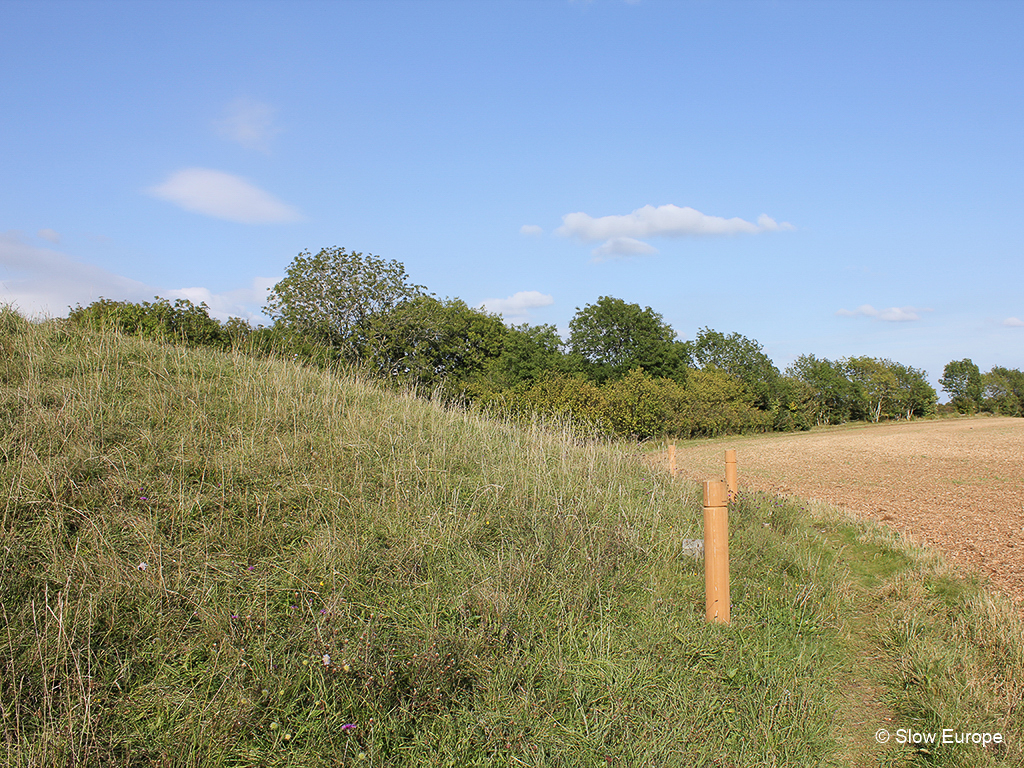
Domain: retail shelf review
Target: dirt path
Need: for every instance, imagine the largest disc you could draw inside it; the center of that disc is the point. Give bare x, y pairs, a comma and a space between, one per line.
956, 485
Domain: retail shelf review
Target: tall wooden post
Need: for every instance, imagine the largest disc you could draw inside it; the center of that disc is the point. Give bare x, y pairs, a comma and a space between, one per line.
716, 552
672, 459
730, 474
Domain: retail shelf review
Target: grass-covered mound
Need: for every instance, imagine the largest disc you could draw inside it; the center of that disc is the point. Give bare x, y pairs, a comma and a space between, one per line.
214, 560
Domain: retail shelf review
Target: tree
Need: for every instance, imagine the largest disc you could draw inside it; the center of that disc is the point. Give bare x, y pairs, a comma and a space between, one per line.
711, 403
427, 341
612, 337
914, 395
961, 380
740, 357
833, 394
334, 294
528, 352
1004, 391
875, 382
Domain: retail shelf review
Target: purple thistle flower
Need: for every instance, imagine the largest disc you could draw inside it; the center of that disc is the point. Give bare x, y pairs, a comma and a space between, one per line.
348, 726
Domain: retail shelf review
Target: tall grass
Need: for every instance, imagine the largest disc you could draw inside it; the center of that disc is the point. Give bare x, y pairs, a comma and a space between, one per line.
210, 559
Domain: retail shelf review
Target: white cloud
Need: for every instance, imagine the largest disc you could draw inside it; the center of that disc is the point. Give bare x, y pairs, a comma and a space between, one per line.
49, 234
240, 302
248, 122
516, 307
623, 231
890, 315
622, 246
223, 196
1013, 322
531, 229
664, 221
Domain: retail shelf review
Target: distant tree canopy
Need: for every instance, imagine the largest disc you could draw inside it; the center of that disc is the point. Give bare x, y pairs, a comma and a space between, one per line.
961, 380
740, 357
334, 295
863, 388
611, 337
1004, 391
622, 371
428, 340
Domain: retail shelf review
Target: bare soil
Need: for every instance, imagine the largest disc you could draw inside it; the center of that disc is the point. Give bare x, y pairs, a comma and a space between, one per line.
955, 485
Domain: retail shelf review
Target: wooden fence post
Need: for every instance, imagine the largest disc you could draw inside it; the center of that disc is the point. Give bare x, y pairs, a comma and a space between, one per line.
672, 459
730, 474
716, 552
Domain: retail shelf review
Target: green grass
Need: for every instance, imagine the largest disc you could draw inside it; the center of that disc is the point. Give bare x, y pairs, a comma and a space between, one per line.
187, 536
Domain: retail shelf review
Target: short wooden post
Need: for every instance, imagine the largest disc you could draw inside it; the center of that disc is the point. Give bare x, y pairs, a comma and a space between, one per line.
672, 459
716, 552
730, 474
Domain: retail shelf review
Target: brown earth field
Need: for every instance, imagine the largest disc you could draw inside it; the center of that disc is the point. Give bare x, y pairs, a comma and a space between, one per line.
956, 485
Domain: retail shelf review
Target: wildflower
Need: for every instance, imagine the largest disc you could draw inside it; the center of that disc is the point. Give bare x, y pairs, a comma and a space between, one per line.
327, 660
348, 726
143, 565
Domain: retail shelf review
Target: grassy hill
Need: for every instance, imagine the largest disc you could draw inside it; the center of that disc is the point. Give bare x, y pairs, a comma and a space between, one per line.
216, 560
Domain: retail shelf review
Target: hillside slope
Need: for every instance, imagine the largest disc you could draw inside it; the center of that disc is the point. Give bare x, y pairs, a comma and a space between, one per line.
219, 560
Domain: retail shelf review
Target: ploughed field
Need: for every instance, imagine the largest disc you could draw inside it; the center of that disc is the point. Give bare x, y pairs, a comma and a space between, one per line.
955, 485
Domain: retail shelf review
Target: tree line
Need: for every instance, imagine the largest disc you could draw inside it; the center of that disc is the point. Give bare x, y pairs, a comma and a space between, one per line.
621, 371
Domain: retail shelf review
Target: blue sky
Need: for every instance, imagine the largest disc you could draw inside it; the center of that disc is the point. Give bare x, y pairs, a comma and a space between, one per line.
835, 178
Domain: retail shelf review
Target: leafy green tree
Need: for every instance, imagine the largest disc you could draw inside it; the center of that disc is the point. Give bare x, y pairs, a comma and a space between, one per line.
429, 341
611, 337
961, 380
875, 382
833, 395
888, 389
333, 296
528, 353
796, 409
1004, 391
914, 395
740, 357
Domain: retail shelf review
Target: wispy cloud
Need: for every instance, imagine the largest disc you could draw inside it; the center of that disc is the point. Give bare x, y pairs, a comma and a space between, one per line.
531, 229
662, 221
622, 246
49, 235
1013, 322
45, 282
516, 307
223, 196
890, 315
42, 281
249, 123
